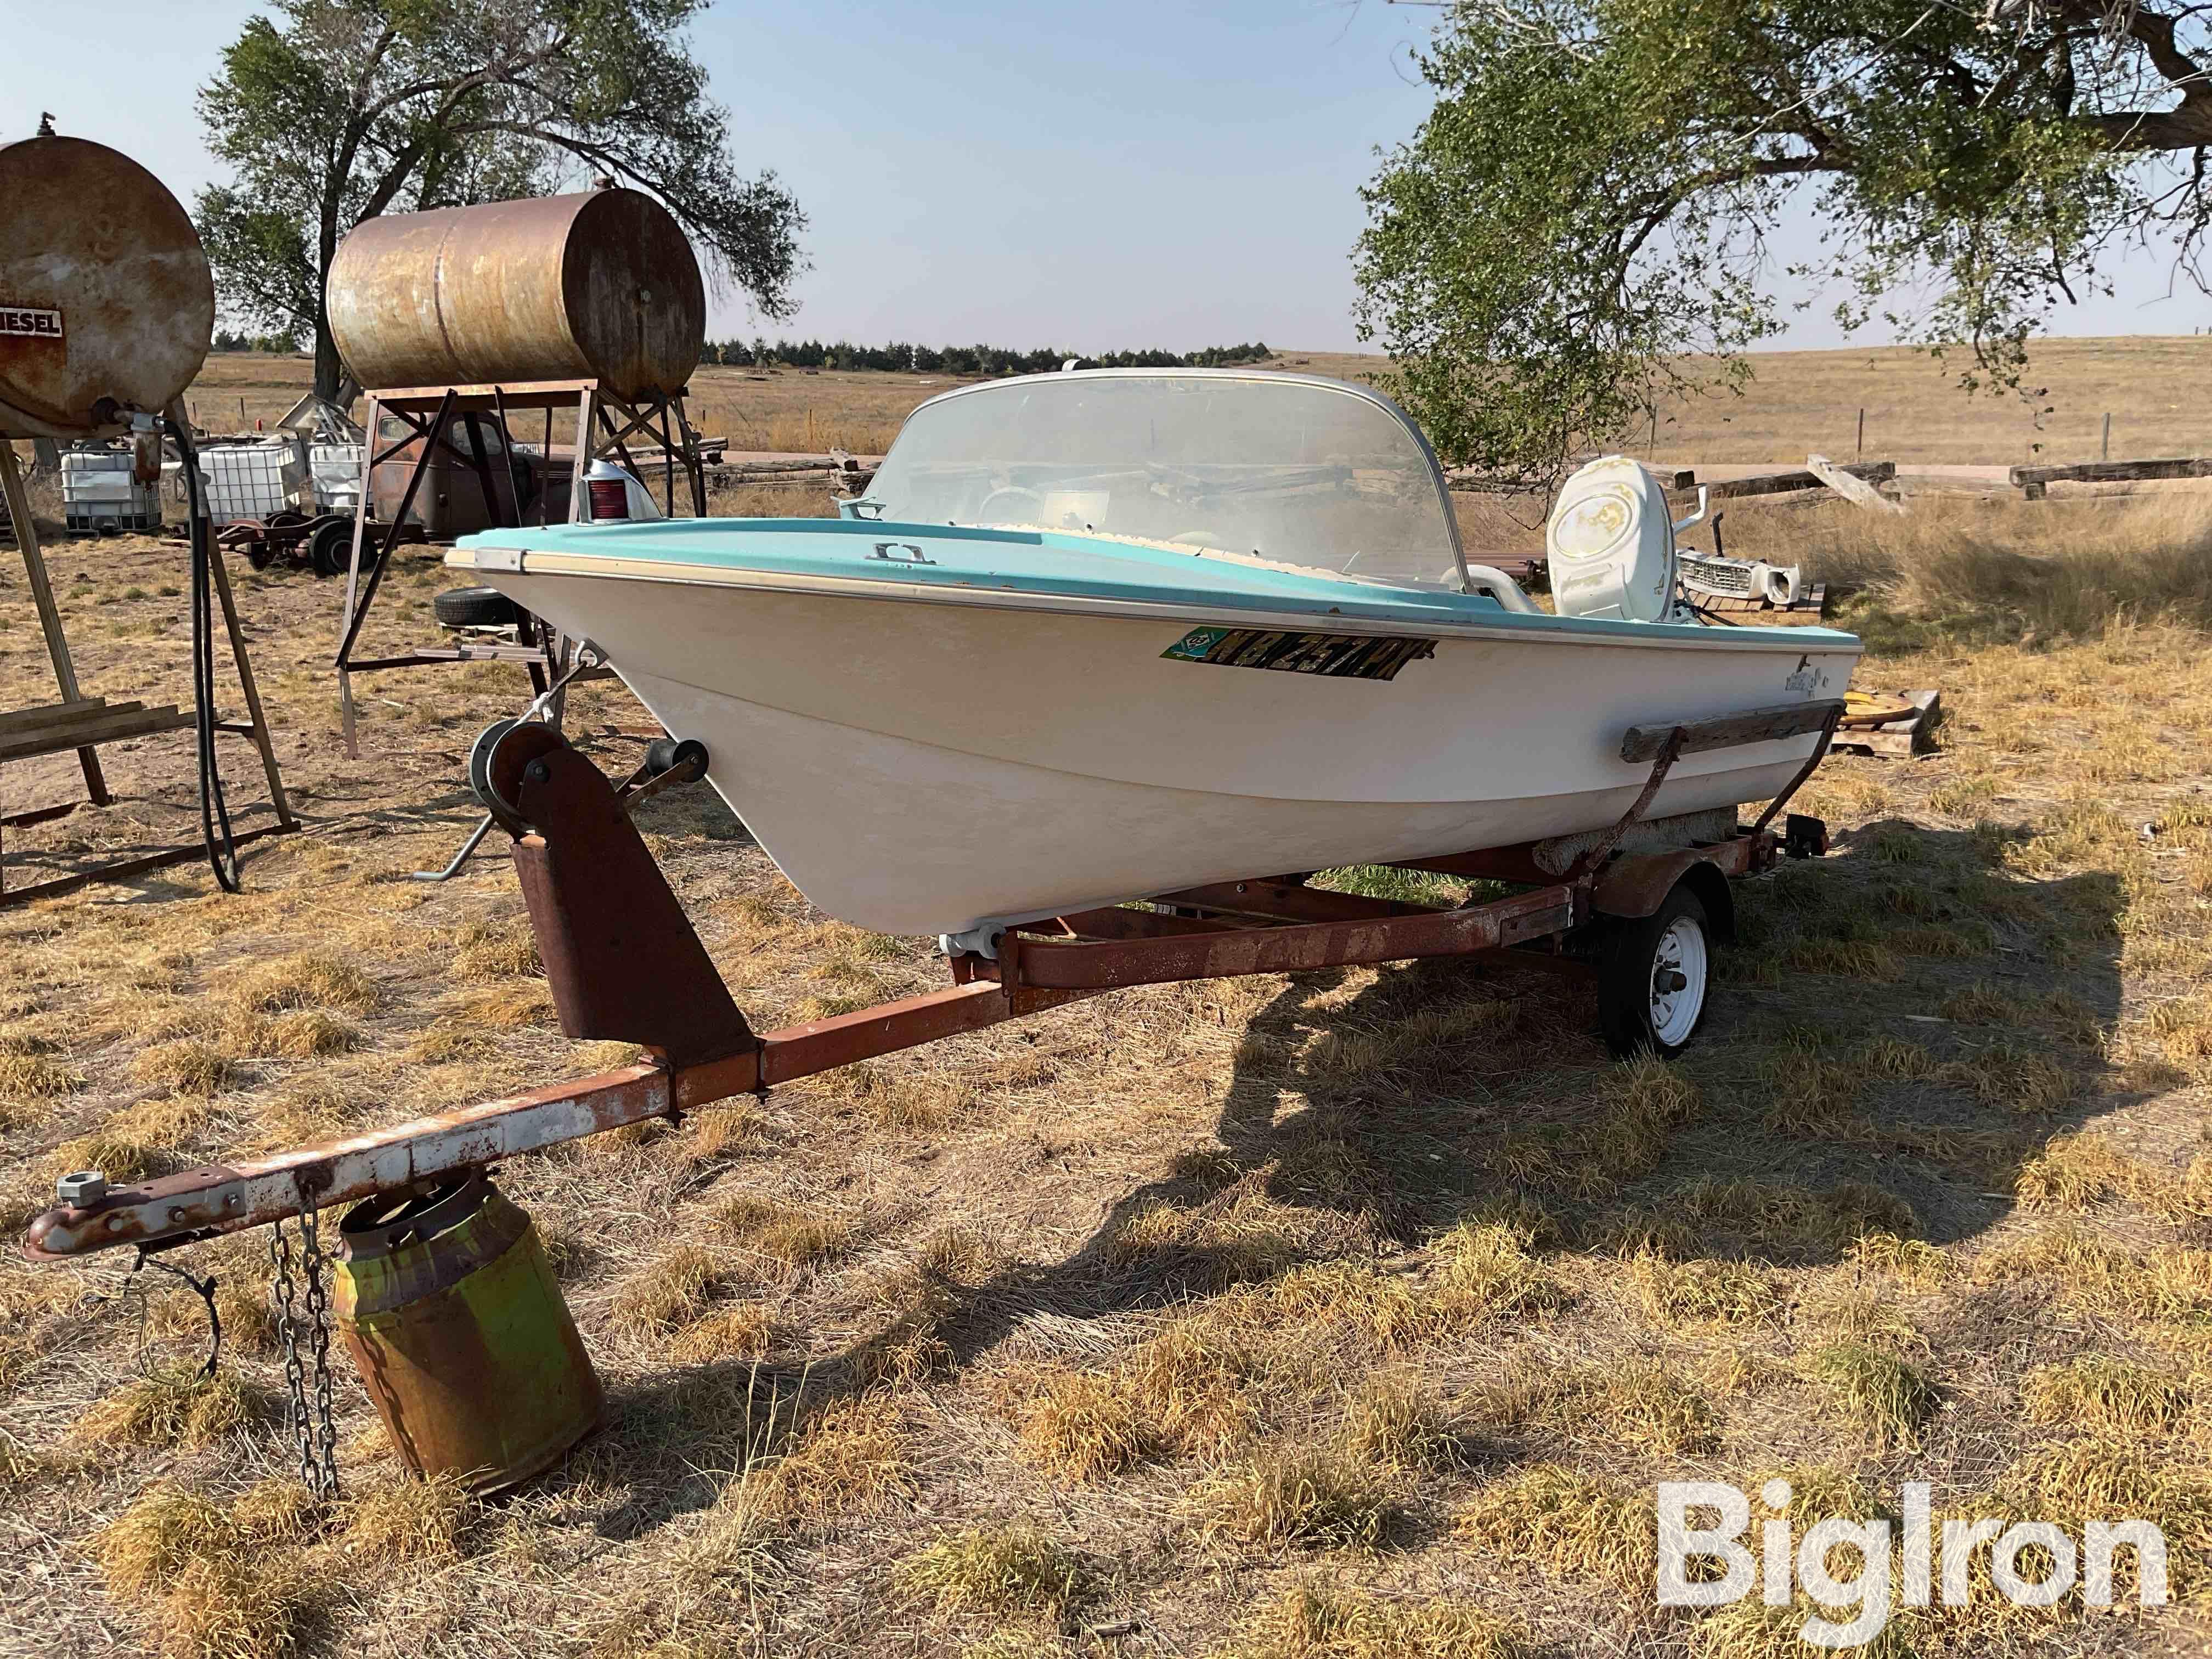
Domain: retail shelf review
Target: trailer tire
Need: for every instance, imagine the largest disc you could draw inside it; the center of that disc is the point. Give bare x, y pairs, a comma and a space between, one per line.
1637, 1011
330, 550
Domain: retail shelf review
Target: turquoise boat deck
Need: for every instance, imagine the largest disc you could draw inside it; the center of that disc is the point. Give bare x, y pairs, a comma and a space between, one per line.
1064, 564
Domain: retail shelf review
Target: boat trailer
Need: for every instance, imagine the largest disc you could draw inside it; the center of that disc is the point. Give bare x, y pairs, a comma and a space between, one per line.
624, 964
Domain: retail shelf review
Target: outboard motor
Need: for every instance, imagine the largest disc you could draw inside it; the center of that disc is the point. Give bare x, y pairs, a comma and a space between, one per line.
1611, 543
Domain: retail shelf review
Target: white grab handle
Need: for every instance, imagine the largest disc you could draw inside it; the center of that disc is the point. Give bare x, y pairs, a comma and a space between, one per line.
1503, 588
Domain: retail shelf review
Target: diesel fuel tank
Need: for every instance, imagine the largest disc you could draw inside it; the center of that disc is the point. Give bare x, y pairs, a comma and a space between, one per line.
598, 286
106, 304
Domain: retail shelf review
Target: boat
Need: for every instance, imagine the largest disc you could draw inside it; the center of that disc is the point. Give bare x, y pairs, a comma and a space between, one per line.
1099, 635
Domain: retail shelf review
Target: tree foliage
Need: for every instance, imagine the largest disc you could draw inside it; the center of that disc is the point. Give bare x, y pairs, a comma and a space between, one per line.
333, 112
1581, 225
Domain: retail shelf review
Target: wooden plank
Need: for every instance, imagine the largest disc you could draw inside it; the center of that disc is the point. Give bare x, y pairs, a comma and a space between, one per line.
2114, 472
1791, 720
1781, 484
110, 727
1745, 611
1899, 739
47, 713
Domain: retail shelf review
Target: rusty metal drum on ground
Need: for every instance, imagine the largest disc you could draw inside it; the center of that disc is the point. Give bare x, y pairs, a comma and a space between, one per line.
106, 305
599, 286
450, 1309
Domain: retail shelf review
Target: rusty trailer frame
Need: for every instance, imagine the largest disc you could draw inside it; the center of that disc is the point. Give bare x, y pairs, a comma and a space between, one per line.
623, 964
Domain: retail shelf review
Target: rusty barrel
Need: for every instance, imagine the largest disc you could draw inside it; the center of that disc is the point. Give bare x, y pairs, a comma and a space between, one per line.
105, 294
600, 286
446, 1299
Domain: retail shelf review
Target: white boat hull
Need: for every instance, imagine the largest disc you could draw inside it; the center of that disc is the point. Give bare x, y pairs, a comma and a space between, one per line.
917, 765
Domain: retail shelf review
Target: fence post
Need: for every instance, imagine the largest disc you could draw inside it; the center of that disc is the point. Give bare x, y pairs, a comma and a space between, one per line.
1862, 452
2107, 454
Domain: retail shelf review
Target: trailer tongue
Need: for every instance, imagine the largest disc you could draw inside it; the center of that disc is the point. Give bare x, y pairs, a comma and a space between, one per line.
624, 964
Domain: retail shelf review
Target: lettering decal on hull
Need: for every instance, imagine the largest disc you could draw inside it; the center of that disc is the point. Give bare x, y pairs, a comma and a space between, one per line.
1339, 656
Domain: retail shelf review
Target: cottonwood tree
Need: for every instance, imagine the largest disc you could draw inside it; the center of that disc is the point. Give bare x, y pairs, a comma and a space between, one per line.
333, 112
1580, 226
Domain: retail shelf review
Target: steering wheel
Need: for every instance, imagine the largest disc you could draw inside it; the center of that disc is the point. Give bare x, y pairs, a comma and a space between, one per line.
1036, 500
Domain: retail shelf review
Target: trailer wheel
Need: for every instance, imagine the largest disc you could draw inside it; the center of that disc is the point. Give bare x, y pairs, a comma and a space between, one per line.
1652, 978
330, 551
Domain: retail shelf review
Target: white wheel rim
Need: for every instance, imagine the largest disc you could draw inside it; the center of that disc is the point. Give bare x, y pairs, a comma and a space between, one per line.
1680, 955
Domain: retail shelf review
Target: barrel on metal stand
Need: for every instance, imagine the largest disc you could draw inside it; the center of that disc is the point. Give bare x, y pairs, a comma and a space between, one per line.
451, 1313
599, 286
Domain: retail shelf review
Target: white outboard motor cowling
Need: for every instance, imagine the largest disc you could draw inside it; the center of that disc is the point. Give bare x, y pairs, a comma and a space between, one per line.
1611, 542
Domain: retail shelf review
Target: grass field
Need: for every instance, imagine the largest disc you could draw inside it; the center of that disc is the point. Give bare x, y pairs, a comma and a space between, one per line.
1797, 402
1348, 1314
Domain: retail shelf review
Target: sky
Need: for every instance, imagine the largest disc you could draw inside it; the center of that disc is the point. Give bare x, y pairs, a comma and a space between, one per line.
1065, 173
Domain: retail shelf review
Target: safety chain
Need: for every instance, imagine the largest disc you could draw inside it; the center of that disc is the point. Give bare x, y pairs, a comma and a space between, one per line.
316, 1435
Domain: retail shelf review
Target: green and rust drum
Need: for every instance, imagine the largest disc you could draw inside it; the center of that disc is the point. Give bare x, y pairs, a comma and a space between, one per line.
446, 1300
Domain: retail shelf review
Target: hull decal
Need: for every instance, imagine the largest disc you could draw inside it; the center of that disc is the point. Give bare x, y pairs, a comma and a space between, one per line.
1338, 656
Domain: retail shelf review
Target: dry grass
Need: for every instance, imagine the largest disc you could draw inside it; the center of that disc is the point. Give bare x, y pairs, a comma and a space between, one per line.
1402, 1421
2106, 1395
1318, 1619
171, 1411
674, 1291
2103, 1476
145, 1546
188, 1066
1577, 1526
851, 1455
410, 1520
1890, 1396
494, 950
1688, 1292
203, 1579
308, 979
234, 1608
1303, 1496
1080, 1426
2008, 569
1016, 1568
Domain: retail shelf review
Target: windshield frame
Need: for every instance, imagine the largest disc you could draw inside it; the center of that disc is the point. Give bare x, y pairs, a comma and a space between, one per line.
1322, 382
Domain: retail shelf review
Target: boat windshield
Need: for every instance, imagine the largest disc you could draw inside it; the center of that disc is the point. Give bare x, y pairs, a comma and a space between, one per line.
1296, 472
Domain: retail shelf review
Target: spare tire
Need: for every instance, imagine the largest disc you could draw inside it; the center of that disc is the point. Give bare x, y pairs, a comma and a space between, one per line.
477, 607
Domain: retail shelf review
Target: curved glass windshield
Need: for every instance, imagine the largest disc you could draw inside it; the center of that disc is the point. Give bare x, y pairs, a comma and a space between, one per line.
1294, 471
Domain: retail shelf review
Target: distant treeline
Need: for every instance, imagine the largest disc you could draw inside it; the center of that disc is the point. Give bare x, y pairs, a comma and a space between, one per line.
960, 360
225, 341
